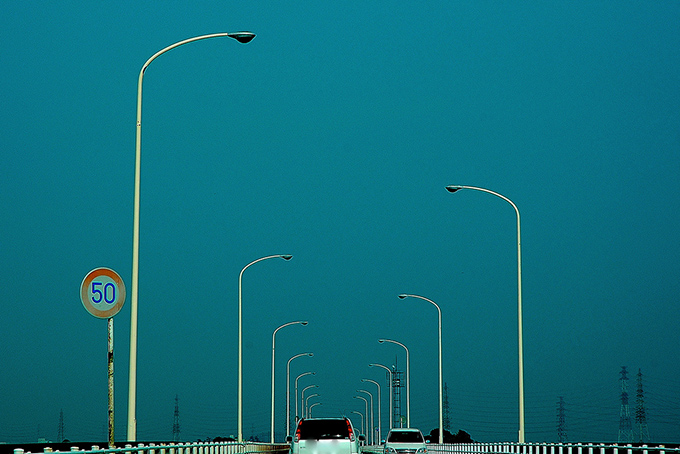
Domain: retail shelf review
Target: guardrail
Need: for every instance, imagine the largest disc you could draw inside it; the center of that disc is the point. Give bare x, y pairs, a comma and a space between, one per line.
179, 448
458, 448
549, 448
537, 448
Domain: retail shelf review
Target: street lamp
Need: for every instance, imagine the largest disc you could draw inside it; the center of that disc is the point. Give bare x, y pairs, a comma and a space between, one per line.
242, 37
312, 406
302, 399
390, 372
454, 188
363, 431
441, 383
365, 401
372, 424
379, 407
303, 323
240, 342
288, 385
307, 403
408, 379
296, 401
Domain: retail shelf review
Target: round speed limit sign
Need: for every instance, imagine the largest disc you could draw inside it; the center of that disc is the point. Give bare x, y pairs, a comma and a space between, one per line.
102, 292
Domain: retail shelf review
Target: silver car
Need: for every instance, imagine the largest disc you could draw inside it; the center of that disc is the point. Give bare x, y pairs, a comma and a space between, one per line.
325, 436
405, 441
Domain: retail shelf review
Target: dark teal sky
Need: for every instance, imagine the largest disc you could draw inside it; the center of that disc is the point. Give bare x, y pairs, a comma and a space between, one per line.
331, 137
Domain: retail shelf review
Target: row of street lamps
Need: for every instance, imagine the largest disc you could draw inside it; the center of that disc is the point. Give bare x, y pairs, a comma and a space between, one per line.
303, 323
246, 37
521, 436
451, 189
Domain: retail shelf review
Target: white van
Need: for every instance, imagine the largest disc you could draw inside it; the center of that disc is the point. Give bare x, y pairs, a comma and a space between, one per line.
325, 436
405, 441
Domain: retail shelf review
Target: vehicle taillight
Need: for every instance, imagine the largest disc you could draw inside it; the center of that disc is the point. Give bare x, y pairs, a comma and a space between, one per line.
297, 432
349, 429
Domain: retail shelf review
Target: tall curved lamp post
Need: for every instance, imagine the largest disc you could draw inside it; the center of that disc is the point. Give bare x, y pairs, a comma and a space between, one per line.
408, 379
441, 382
242, 37
371, 405
307, 403
455, 188
302, 399
390, 372
363, 431
240, 342
288, 374
366, 401
312, 406
296, 401
379, 407
303, 323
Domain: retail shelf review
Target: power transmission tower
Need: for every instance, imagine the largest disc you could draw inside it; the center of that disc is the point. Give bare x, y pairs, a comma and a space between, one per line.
640, 413
625, 424
561, 425
60, 431
447, 415
175, 422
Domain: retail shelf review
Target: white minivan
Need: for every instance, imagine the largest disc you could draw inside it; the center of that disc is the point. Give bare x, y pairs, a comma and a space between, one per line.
405, 441
325, 436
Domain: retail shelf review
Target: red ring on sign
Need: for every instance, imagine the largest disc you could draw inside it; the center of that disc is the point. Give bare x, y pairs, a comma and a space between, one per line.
85, 295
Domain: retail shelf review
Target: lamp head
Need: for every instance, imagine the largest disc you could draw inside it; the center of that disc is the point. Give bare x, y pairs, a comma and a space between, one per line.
305, 323
310, 354
453, 188
363, 379
402, 296
242, 37
381, 341
286, 257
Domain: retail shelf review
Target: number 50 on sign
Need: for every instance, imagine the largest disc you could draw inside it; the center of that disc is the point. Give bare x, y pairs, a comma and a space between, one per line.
102, 292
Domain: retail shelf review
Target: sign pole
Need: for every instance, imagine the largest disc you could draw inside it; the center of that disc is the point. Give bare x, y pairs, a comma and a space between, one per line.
102, 293
110, 358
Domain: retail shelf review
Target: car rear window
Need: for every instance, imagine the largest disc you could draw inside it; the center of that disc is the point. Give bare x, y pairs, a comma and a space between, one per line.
319, 429
405, 437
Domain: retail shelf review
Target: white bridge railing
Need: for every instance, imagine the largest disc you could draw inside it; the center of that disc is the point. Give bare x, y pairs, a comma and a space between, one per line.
536, 448
458, 448
547, 448
229, 447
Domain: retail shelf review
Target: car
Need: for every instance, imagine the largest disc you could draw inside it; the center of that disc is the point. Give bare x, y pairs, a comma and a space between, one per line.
325, 436
405, 441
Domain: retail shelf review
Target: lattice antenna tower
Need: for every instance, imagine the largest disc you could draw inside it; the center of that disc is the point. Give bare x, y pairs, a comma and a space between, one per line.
625, 424
561, 421
640, 413
175, 421
396, 395
447, 414
60, 430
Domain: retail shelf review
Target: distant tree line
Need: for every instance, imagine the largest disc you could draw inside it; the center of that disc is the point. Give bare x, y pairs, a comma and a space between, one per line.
460, 437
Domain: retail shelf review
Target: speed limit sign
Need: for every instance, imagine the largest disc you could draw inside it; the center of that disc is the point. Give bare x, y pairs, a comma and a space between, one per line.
102, 292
